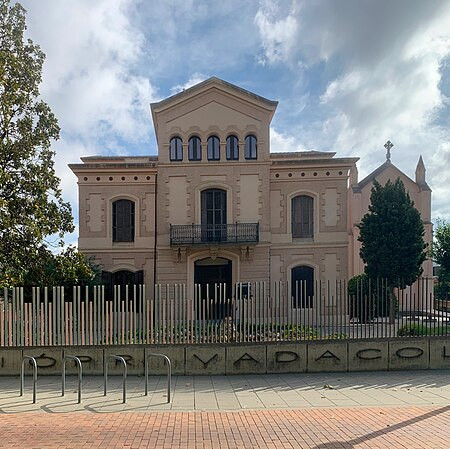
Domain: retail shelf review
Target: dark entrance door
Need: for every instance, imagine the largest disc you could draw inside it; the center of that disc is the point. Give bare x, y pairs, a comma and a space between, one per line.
302, 286
211, 273
214, 215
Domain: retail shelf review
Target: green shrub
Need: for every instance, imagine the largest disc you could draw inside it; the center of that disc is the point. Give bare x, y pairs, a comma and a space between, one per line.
292, 332
419, 330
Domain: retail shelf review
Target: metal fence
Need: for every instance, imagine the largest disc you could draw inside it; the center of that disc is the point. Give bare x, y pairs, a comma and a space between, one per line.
249, 312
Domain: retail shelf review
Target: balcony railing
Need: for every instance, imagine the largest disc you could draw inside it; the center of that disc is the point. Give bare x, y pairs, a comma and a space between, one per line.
195, 234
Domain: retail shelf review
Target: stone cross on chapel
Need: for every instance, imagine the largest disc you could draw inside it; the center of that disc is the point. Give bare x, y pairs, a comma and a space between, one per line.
388, 145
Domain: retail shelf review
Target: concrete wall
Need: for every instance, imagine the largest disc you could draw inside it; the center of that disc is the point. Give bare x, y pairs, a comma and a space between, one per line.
257, 358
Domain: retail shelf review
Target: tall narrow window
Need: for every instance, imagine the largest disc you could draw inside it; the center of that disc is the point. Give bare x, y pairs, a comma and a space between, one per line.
213, 148
195, 149
250, 147
176, 149
123, 221
302, 286
302, 217
214, 215
232, 148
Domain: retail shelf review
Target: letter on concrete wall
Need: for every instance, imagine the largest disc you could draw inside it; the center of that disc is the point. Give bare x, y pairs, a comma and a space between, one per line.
369, 354
328, 355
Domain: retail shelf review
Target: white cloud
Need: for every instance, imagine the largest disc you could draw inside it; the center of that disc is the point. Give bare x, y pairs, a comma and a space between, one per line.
278, 34
192, 81
385, 60
280, 142
90, 79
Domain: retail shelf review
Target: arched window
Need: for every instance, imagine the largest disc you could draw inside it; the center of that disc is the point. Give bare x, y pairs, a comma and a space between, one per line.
250, 147
176, 149
125, 280
232, 148
213, 148
195, 149
123, 221
302, 286
302, 217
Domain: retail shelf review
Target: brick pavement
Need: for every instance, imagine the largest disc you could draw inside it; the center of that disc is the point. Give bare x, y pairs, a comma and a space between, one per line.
341, 410
370, 428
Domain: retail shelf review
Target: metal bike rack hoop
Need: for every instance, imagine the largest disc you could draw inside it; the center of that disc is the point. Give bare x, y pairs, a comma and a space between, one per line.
22, 370
169, 373
105, 372
80, 375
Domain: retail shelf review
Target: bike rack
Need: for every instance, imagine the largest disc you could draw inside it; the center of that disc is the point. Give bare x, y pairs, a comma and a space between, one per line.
80, 375
105, 372
169, 373
22, 380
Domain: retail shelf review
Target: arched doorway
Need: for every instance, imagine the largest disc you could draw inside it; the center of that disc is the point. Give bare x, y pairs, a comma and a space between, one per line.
302, 285
209, 274
122, 278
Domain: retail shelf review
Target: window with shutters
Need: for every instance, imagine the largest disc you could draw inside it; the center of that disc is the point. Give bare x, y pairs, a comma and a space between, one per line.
195, 149
302, 216
232, 148
250, 151
213, 148
176, 149
123, 221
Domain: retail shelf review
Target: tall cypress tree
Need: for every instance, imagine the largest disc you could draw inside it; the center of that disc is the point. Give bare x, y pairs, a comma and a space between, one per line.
391, 234
31, 204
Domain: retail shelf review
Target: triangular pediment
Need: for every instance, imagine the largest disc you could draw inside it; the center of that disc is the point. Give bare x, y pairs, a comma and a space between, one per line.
214, 103
217, 84
385, 172
213, 113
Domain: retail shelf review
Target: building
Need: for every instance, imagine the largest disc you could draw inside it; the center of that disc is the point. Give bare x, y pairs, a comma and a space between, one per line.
216, 205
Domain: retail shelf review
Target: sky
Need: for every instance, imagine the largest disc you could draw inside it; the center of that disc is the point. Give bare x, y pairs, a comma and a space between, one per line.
348, 75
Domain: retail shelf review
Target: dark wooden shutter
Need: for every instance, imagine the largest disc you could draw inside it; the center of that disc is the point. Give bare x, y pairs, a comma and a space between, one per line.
123, 221
302, 212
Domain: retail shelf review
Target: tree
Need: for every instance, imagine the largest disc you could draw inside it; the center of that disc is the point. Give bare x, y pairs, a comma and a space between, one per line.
441, 255
391, 234
31, 204
367, 298
66, 269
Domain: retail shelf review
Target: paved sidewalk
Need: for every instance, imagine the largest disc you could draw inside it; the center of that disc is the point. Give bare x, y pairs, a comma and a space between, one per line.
392, 428
408, 410
252, 392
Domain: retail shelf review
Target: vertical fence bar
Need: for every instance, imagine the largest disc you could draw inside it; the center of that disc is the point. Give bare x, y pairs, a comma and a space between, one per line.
21, 317
134, 333
151, 315
2, 318
86, 315
158, 305
56, 315
14, 317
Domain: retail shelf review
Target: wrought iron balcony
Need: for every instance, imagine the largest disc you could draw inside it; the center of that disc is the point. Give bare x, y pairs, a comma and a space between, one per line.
194, 234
